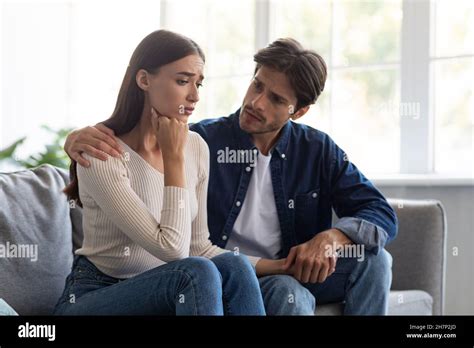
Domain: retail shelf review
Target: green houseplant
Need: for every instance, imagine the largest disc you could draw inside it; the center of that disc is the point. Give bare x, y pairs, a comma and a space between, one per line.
53, 153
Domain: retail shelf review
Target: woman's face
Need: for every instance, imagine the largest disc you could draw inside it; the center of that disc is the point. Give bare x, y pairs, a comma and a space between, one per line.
174, 90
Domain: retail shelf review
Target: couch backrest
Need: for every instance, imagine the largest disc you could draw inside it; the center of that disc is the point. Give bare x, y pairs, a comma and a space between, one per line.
419, 250
36, 243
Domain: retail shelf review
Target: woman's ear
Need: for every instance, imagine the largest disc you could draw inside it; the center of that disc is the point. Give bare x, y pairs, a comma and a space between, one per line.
142, 79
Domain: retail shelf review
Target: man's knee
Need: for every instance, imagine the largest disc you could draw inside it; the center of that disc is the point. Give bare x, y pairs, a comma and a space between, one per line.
284, 295
379, 267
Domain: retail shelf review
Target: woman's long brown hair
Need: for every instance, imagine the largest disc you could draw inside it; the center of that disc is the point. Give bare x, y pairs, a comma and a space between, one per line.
157, 49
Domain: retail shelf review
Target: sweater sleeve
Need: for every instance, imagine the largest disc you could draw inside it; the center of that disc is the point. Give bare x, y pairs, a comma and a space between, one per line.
108, 184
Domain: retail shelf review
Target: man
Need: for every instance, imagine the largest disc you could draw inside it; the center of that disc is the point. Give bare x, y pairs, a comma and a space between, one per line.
273, 184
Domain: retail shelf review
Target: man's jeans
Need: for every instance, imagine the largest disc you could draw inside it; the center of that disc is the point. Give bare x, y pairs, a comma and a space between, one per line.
364, 286
226, 284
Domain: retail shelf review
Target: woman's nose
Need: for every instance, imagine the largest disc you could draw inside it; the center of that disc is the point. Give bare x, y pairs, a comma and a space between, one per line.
194, 95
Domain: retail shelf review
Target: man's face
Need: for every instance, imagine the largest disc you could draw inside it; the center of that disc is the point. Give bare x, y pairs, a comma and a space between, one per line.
268, 102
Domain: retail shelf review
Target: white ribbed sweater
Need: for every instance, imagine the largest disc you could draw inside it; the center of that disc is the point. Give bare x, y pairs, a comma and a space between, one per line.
133, 223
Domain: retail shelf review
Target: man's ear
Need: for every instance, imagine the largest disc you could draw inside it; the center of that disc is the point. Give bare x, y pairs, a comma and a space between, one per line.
300, 113
142, 79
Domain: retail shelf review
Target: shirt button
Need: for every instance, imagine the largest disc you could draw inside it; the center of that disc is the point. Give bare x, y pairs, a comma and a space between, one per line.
224, 237
248, 169
283, 155
315, 195
237, 203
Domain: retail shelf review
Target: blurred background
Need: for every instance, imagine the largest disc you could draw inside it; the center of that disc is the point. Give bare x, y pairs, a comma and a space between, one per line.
399, 96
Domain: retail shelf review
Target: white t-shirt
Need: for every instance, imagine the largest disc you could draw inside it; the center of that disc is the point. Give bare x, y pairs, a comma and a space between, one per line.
257, 230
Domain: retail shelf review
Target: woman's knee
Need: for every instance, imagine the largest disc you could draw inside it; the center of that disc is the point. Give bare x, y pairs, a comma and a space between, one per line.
233, 262
200, 269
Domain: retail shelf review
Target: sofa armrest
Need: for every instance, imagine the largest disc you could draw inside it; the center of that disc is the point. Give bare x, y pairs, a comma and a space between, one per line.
419, 250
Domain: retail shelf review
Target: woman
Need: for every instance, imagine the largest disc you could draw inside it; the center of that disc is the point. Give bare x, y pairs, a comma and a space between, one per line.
146, 249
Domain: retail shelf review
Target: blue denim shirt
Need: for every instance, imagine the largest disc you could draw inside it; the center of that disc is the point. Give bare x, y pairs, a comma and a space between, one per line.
311, 176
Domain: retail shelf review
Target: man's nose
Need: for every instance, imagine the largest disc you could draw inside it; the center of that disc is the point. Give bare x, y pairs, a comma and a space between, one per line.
258, 103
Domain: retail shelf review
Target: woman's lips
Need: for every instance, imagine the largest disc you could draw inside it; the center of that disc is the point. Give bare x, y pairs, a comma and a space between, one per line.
188, 111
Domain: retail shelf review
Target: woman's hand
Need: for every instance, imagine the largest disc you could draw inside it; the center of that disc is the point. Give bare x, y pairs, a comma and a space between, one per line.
266, 267
171, 136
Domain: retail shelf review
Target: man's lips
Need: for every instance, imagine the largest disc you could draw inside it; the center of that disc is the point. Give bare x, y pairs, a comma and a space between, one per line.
253, 116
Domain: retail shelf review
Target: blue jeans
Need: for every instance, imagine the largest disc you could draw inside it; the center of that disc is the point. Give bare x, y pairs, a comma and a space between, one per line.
363, 286
226, 284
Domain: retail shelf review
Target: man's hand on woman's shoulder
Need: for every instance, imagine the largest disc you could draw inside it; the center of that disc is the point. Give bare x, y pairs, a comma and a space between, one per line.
97, 141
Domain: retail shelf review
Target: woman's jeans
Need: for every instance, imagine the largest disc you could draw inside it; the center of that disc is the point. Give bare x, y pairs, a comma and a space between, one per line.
226, 284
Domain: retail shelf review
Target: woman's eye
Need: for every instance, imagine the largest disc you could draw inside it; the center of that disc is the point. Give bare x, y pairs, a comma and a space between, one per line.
182, 82
199, 85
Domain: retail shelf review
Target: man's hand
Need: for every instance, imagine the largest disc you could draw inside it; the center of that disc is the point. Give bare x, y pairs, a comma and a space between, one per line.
98, 141
310, 262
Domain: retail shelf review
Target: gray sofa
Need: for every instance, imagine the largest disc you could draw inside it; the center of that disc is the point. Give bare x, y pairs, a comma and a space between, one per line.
35, 215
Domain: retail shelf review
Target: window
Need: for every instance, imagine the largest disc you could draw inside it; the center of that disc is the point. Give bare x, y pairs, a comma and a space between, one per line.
452, 68
398, 97
360, 42
63, 62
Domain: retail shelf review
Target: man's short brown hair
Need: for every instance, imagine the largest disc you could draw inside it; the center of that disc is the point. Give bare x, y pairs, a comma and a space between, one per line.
305, 69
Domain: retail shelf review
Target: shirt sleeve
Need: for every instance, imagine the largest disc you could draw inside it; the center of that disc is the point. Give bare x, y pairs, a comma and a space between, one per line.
365, 215
107, 183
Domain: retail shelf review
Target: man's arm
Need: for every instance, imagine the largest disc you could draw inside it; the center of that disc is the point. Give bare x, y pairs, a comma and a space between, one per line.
365, 218
365, 215
98, 142
315, 260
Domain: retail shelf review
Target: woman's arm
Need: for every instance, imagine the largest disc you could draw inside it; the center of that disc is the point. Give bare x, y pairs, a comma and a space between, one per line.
200, 243
269, 267
107, 184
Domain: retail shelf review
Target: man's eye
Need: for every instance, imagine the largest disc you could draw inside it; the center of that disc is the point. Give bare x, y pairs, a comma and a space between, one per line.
199, 85
182, 82
276, 99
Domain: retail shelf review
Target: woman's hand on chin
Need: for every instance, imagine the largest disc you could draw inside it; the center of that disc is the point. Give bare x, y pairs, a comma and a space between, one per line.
171, 134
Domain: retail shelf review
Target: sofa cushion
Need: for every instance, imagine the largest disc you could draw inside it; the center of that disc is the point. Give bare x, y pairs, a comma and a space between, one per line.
329, 309
5, 309
35, 239
408, 302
